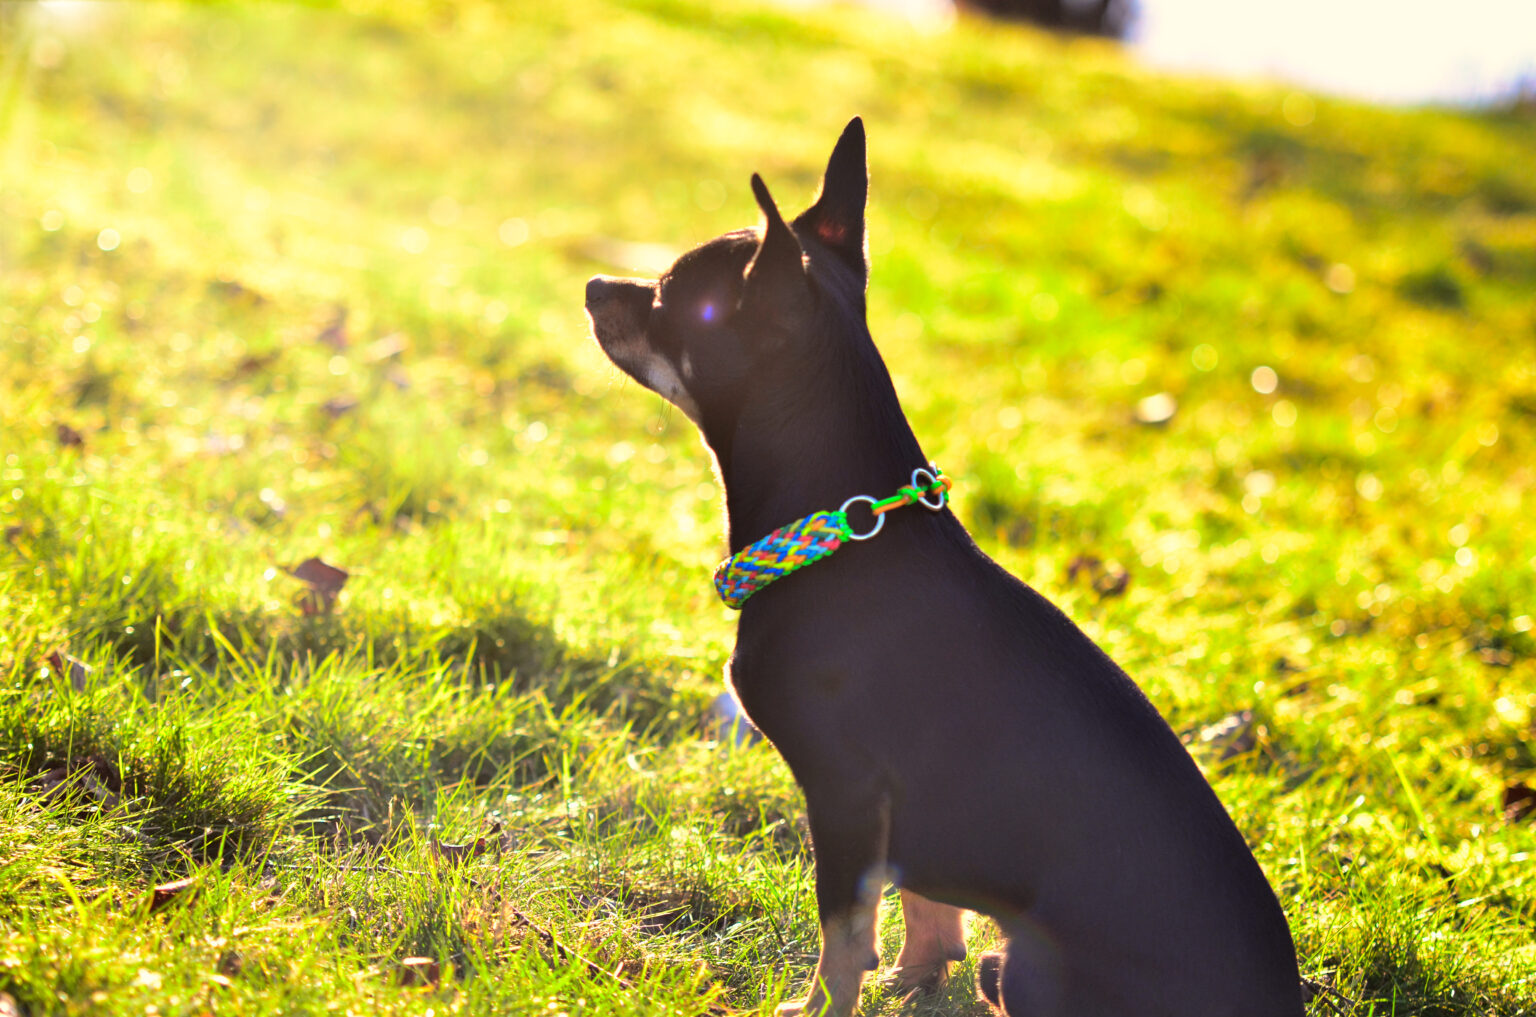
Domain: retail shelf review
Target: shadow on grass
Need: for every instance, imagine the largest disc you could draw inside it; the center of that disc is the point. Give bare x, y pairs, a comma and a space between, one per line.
157, 628
172, 797
1398, 969
213, 730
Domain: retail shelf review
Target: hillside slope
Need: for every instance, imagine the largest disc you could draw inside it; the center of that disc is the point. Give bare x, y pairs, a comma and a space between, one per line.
1244, 378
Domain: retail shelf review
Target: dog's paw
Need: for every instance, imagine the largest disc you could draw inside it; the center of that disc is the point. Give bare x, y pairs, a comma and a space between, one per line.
915, 980
815, 1005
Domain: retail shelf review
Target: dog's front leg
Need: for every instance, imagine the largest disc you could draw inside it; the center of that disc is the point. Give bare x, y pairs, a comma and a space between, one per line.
849, 838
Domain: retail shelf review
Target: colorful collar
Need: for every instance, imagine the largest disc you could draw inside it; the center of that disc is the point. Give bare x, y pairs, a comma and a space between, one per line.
808, 540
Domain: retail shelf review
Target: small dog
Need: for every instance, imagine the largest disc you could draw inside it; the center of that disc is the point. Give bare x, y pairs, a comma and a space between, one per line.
952, 730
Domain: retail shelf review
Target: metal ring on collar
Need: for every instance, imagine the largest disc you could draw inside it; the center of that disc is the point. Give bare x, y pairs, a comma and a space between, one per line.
923, 480
879, 519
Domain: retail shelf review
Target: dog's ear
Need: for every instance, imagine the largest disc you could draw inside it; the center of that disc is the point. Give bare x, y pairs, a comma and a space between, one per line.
775, 290
837, 217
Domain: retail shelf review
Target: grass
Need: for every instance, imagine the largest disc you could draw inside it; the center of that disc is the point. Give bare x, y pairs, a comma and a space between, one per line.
278, 282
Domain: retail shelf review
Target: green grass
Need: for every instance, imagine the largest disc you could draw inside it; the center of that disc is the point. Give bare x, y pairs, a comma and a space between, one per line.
308, 282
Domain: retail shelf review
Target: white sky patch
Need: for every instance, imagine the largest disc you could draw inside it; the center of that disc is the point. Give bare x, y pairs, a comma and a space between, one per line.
1388, 51
1395, 51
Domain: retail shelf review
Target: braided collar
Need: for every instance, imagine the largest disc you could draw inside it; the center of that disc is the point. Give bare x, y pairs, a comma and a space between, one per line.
808, 540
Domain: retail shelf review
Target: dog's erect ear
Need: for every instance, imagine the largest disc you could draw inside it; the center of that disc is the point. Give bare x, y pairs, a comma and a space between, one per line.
775, 288
837, 217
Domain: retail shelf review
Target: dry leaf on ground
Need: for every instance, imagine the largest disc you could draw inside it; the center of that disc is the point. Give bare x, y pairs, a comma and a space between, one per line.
162, 895
334, 335
1519, 803
323, 584
77, 670
69, 437
420, 971
1107, 580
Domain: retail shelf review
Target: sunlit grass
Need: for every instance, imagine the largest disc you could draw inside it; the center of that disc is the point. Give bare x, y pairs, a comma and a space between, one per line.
282, 282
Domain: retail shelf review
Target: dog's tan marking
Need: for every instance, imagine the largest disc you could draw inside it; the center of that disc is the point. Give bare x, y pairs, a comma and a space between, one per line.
935, 935
623, 338
654, 372
846, 948
660, 378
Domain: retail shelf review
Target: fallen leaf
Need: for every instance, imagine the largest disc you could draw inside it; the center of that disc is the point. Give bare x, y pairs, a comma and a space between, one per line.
1112, 583
457, 854
420, 971
1496, 656
323, 584
1519, 802
231, 963
339, 406
1084, 563
334, 335
69, 437
78, 671
220, 980
255, 363
234, 290
162, 895
1106, 580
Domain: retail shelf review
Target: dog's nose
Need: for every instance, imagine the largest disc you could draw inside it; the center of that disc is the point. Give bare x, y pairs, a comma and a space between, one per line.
599, 289
637, 293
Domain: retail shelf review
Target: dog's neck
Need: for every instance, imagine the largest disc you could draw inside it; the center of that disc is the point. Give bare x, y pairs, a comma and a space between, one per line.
840, 433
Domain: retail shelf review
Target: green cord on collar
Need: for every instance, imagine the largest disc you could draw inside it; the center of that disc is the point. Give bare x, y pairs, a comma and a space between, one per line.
808, 540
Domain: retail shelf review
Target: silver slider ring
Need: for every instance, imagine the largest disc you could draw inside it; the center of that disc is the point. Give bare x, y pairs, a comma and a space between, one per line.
879, 519
922, 480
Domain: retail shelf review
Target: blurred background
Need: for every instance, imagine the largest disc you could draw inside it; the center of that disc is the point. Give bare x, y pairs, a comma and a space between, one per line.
1482, 51
1220, 315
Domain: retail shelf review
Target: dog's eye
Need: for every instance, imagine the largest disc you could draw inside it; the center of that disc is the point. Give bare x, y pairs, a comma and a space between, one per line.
707, 312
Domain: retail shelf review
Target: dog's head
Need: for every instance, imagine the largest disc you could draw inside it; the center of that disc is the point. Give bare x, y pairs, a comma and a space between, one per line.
736, 317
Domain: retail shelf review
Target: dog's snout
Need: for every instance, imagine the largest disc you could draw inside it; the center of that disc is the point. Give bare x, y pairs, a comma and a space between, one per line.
599, 287
608, 289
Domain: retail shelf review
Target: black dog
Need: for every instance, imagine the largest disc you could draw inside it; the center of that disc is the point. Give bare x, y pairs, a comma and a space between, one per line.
953, 730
